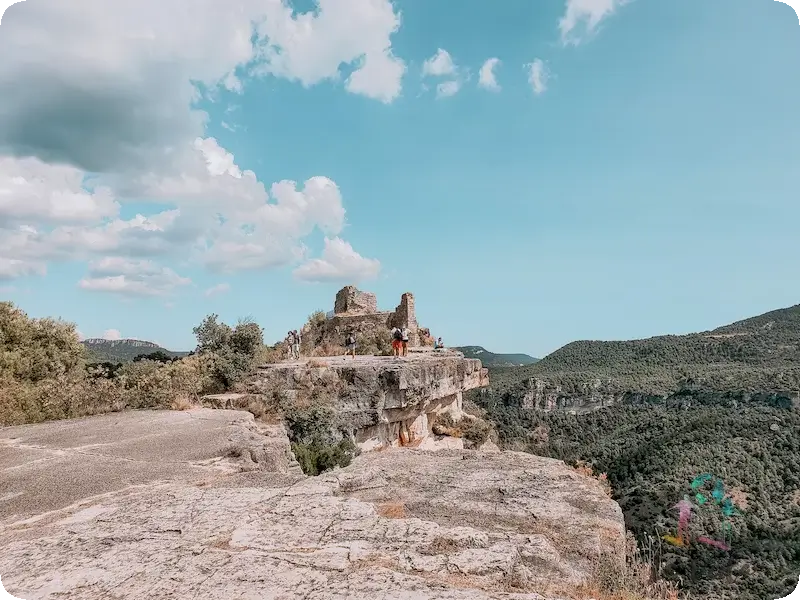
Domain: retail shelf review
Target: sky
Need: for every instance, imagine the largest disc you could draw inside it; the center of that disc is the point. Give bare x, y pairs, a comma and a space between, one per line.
534, 172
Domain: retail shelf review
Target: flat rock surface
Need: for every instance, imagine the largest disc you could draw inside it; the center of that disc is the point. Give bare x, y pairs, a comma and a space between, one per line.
52, 465
397, 524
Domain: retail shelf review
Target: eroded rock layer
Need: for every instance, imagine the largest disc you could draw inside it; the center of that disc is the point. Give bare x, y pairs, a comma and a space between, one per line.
399, 524
384, 401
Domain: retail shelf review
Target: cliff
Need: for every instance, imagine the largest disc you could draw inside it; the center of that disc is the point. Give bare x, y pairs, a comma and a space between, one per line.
377, 401
394, 524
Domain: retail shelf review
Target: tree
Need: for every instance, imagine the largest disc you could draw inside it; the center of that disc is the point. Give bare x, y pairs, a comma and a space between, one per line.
233, 351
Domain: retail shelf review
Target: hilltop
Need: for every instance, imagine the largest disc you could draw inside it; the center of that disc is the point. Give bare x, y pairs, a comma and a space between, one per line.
122, 351
721, 402
757, 354
491, 359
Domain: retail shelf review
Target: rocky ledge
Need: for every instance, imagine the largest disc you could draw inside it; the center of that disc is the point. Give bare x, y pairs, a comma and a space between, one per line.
396, 524
383, 401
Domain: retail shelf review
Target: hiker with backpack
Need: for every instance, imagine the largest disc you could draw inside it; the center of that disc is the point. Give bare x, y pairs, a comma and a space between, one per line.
296, 339
397, 341
350, 344
404, 339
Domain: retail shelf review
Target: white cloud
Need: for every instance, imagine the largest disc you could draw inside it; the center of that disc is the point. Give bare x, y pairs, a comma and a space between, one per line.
220, 288
223, 218
13, 268
111, 335
116, 275
486, 76
110, 86
439, 65
582, 17
538, 76
32, 189
339, 262
448, 88
97, 100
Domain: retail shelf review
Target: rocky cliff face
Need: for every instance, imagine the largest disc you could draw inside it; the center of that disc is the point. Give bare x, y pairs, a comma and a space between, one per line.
541, 394
399, 524
379, 401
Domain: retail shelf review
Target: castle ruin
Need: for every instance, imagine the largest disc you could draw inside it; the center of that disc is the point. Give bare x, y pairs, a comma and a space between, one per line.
357, 311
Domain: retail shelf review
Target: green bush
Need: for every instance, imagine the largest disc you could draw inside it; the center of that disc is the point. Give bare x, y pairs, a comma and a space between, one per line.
316, 458
233, 351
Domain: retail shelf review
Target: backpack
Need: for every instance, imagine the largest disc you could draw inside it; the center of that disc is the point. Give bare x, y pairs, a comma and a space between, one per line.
398, 335
351, 339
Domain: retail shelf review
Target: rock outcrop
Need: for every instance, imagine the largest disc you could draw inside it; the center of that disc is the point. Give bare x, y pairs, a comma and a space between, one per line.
398, 524
379, 401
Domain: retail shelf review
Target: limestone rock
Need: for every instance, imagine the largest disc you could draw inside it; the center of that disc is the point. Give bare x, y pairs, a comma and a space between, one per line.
377, 398
349, 300
399, 524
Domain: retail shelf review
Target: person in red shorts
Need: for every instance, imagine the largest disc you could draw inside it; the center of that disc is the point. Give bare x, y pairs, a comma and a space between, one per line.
397, 341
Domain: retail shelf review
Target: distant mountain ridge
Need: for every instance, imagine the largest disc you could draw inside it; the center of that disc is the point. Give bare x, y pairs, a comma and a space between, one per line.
491, 359
100, 350
759, 354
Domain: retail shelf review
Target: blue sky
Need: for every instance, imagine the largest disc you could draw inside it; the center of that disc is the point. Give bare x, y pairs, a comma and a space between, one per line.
645, 183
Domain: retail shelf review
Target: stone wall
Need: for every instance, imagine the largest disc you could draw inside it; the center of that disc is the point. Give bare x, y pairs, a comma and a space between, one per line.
358, 312
405, 315
349, 300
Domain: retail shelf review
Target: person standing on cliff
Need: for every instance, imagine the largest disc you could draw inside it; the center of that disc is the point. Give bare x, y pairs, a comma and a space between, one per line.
397, 341
296, 339
288, 342
350, 344
404, 338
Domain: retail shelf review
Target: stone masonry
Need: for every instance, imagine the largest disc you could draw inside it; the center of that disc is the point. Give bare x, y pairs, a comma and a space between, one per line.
357, 311
351, 301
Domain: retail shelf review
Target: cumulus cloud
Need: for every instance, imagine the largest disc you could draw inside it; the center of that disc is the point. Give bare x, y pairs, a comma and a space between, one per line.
222, 217
111, 335
582, 18
538, 75
448, 88
125, 277
32, 189
441, 65
215, 290
13, 268
110, 86
486, 76
339, 262
97, 110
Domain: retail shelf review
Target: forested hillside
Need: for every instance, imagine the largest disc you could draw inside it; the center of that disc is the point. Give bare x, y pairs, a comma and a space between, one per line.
723, 404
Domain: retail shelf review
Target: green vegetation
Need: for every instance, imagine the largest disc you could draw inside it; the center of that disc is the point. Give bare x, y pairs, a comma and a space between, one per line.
490, 359
758, 354
123, 351
316, 443
45, 372
723, 402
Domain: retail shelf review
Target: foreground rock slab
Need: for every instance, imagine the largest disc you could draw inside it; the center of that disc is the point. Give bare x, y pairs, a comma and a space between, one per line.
397, 524
53, 465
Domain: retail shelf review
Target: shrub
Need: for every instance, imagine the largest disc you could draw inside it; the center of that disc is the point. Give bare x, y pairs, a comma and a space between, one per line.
316, 458
231, 352
35, 350
316, 319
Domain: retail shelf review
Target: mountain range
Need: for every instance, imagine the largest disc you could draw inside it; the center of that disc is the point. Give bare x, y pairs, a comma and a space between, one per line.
756, 354
121, 351
657, 416
490, 359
